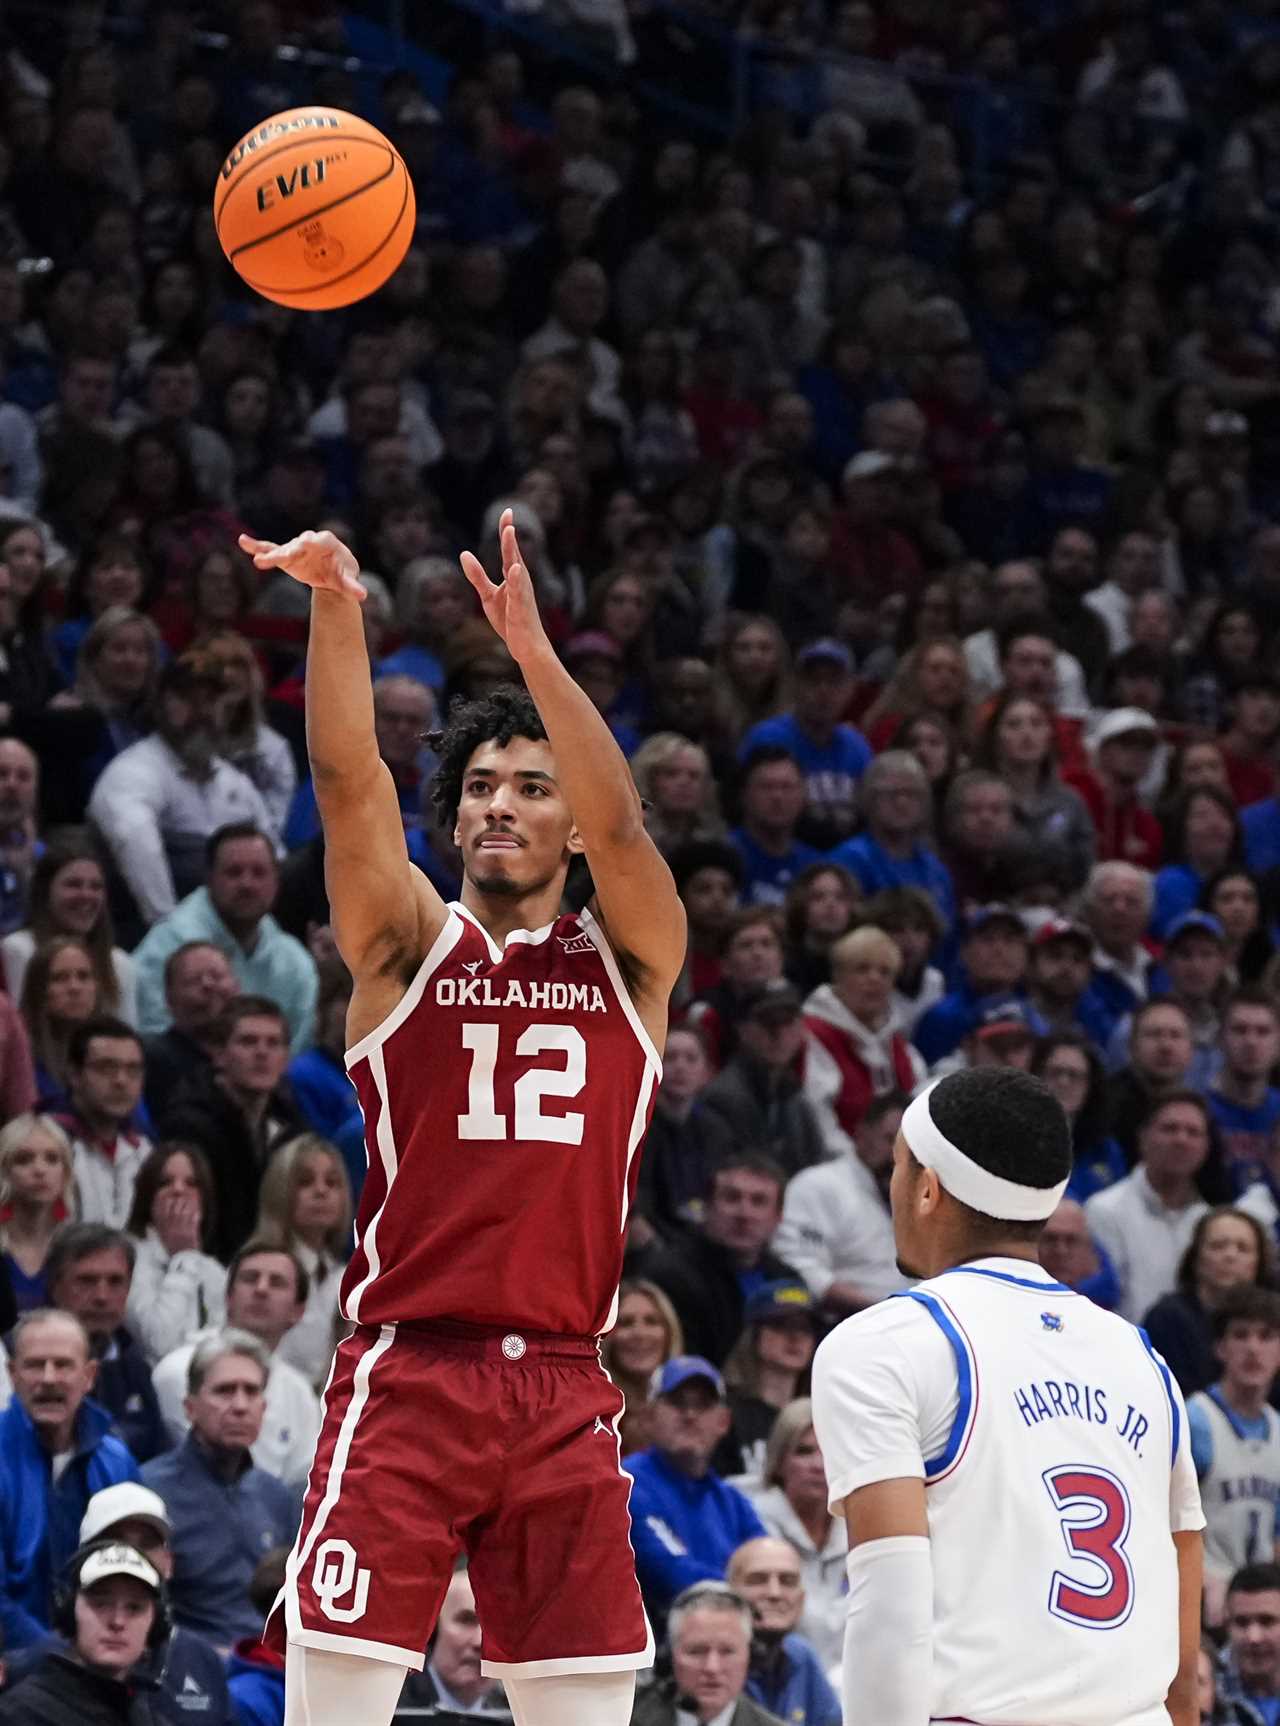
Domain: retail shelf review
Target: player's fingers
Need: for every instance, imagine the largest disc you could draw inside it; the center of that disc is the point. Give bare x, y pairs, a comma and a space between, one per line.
248, 543
510, 545
474, 571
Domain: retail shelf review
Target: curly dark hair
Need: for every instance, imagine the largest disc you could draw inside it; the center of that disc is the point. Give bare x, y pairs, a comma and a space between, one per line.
495, 718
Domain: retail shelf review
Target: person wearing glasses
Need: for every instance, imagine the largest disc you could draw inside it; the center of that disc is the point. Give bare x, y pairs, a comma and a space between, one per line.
106, 1069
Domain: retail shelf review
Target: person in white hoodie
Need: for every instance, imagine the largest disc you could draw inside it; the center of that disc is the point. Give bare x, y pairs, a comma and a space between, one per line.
836, 1230
854, 1050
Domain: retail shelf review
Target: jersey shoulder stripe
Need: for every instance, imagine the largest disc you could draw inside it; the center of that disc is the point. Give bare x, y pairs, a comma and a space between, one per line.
937, 1468
1166, 1379
439, 951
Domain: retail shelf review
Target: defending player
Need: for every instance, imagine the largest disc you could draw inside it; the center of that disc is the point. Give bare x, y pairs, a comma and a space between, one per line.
1012, 1462
506, 1062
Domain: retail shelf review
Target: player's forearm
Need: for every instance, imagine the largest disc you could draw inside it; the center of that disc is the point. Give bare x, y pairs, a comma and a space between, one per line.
592, 770
888, 1639
339, 692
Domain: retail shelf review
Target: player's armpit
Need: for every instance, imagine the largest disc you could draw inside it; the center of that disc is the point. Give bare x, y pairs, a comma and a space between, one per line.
1182, 1703
383, 910
885, 1510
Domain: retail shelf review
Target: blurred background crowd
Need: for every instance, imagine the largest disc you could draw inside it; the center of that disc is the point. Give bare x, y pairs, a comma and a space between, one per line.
889, 399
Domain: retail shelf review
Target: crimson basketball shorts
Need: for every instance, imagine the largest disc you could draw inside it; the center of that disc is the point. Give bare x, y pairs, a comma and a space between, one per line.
443, 1440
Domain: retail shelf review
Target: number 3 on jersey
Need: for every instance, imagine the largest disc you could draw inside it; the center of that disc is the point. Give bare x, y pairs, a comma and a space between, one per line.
482, 1120
1093, 1507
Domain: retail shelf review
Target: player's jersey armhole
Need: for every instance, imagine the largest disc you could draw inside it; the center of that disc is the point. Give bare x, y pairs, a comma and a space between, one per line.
439, 950
1166, 1380
600, 942
935, 1468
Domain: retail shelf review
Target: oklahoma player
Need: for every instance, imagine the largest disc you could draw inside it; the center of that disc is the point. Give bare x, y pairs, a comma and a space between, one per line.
506, 1059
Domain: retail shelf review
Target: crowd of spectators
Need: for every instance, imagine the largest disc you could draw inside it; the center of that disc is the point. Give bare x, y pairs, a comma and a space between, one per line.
898, 478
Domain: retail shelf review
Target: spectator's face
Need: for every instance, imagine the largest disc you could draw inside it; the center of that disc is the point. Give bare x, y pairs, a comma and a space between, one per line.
689, 1424
1257, 715
87, 390
1253, 1636
599, 677
710, 1659
1175, 1143
639, 1339
679, 785
1196, 965
76, 897
822, 694
1250, 1356
766, 1573
456, 1656
995, 958
786, 1343
247, 406
96, 1290
865, 982
753, 956
899, 804
1030, 667
52, 1373
1060, 970
1237, 907
72, 992
115, 582
226, 1412
1251, 1041
828, 906
1227, 1256
775, 1040
685, 1068
1117, 911
984, 818
582, 298
626, 610
36, 1173
113, 1620
1135, 564
374, 412
200, 985
108, 1088
1066, 1251
941, 677
774, 796
685, 697
320, 1198
146, 1538
255, 1055
263, 1297
125, 661
1160, 1047
742, 1212
401, 714
1016, 587
173, 392
1024, 734
18, 783
710, 898
24, 558
1152, 622
243, 881
443, 603
1066, 1072
1001, 1048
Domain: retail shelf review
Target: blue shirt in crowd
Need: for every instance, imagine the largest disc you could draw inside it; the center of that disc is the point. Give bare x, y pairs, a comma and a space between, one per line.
876, 871
795, 1688
768, 877
683, 1530
832, 770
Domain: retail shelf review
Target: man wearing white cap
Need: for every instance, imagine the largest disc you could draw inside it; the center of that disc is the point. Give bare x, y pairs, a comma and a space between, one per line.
1012, 1462
112, 1611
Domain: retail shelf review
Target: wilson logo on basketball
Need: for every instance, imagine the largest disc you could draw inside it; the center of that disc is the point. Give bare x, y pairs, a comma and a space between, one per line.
276, 129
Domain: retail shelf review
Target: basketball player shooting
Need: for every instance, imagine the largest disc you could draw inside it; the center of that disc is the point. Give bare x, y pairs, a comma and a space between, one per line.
506, 1059
1012, 1462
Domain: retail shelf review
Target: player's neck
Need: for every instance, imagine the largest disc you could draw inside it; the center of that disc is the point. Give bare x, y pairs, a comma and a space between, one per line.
499, 915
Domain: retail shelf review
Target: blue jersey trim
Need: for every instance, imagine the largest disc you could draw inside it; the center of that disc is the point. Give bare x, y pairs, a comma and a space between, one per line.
1175, 1419
1004, 1277
964, 1376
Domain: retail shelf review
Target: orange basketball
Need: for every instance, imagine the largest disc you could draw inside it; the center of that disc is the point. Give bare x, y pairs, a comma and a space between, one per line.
314, 208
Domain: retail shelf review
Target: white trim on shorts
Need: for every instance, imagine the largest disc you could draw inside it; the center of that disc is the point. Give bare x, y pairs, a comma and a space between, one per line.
326, 1642
577, 1663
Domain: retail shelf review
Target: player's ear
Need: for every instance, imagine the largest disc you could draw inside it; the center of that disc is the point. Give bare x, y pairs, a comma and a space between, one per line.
573, 844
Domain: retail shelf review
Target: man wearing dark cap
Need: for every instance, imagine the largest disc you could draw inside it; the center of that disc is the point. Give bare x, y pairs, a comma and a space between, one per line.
1002, 1038
782, 1318
832, 755
686, 1522
159, 801
993, 959
757, 1094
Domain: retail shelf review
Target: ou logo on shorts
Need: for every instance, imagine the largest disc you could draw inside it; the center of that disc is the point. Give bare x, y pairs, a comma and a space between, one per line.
334, 1577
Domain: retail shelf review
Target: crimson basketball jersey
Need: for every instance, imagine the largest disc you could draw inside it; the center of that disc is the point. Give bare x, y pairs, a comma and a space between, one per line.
504, 1101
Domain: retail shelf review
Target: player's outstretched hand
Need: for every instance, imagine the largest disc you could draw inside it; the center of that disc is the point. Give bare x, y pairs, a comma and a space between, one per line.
315, 559
510, 607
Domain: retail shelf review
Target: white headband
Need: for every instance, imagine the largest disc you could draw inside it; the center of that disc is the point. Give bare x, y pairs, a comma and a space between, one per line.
968, 1181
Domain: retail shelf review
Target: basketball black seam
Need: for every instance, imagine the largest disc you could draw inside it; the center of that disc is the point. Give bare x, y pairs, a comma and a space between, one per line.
243, 169
313, 215
332, 281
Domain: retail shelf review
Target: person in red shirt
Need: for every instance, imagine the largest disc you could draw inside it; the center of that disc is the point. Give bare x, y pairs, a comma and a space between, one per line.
1123, 746
1249, 742
869, 556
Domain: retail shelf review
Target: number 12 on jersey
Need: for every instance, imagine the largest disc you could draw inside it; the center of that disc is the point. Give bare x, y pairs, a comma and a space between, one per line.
1093, 1506
482, 1120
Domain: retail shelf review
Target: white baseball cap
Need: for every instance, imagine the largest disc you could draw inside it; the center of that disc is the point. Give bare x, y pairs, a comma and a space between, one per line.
123, 1502
118, 1560
1124, 722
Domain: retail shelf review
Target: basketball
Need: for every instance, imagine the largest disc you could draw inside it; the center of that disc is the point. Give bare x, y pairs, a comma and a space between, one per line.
314, 208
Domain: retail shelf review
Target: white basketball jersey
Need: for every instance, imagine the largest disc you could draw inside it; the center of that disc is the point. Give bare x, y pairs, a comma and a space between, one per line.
1241, 1489
1054, 1450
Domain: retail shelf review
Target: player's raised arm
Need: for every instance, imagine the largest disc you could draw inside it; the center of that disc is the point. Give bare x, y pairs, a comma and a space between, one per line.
382, 908
639, 906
